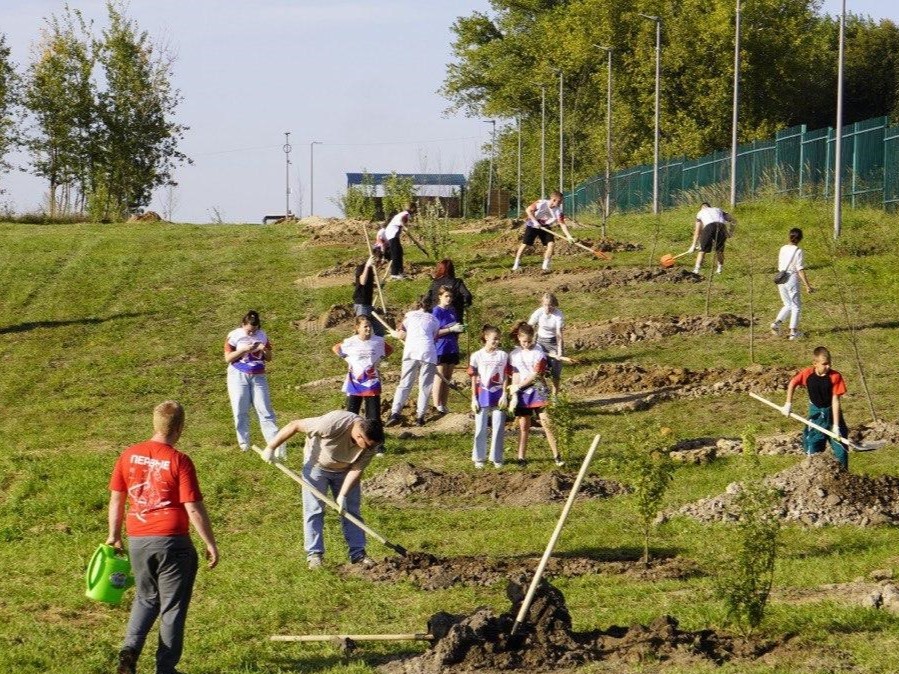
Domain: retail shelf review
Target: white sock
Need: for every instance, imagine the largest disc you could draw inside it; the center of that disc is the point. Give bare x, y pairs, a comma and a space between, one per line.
719, 268
516, 265
545, 265
695, 270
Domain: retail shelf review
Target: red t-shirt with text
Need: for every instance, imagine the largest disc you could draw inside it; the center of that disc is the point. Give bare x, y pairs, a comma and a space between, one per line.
159, 480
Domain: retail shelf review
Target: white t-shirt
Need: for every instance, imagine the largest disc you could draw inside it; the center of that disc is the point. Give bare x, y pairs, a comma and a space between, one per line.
545, 214
548, 325
363, 356
783, 258
396, 224
491, 368
709, 214
249, 363
421, 334
527, 362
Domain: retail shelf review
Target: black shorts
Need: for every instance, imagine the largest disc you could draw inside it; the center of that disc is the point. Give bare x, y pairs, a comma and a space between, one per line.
531, 234
448, 359
529, 411
713, 235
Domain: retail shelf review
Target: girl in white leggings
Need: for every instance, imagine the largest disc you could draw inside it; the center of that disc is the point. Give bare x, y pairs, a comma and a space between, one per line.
791, 260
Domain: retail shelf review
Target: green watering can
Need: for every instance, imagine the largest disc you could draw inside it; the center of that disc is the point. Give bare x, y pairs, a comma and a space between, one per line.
108, 575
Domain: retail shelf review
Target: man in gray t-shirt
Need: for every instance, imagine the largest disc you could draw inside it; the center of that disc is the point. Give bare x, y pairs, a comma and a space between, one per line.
339, 445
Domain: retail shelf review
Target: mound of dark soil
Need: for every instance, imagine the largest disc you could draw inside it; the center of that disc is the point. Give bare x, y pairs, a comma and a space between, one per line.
430, 572
483, 641
513, 487
621, 331
815, 492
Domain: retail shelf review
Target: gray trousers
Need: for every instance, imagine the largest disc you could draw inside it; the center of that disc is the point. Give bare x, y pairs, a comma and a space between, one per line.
164, 570
411, 369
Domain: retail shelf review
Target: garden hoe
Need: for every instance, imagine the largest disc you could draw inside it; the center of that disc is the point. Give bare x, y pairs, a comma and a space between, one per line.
574, 242
296, 477
867, 447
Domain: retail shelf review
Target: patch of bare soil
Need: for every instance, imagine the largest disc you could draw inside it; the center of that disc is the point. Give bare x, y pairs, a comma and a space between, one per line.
586, 279
704, 450
335, 231
510, 239
483, 641
620, 331
488, 226
815, 492
430, 572
405, 483
645, 386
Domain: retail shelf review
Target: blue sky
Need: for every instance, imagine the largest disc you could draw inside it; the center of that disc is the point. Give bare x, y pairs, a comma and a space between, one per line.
361, 76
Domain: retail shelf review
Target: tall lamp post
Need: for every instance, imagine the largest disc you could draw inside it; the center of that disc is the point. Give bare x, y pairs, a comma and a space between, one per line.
312, 176
608, 200
561, 131
542, 141
490, 169
736, 116
838, 139
655, 154
287, 148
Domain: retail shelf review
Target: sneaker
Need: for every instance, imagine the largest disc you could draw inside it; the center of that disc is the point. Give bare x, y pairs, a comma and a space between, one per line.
379, 451
127, 661
364, 561
314, 561
397, 277
394, 420
420, 421
522, 463
244, 448
516, 267
775, 328
795, 335
497, 464
719, 269
696, 270
559, 461
442, 409
479, 464
281, 453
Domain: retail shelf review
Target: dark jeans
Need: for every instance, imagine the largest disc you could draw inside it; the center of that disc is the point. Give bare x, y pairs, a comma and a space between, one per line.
164, 568
396, 256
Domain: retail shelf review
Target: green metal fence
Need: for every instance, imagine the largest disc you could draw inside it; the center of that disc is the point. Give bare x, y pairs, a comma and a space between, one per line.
796, 161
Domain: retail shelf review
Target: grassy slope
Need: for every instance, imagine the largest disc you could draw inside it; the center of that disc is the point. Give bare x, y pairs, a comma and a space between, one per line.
101, 322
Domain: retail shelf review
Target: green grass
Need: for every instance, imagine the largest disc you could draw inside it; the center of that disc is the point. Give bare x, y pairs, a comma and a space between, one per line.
100, 323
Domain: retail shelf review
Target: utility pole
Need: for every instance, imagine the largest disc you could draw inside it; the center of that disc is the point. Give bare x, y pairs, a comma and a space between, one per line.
518, 202
287, 148
490, 169
733, 140
542, 141
608, 200
838, 139
655, 154
561, 132
312, 175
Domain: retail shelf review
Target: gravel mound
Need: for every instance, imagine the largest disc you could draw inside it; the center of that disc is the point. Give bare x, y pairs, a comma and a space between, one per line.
815, 492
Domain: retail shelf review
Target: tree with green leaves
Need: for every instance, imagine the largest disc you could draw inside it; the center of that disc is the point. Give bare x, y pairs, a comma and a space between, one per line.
8, 101
138, 135
60, 97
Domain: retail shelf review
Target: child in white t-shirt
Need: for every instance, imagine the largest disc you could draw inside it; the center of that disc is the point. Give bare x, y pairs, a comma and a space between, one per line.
419, 332
791, 260
549, 321
490, 373
528, 363
362, 353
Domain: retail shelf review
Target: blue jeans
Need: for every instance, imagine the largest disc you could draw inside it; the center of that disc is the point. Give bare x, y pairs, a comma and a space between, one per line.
164, 571
314, 512
245, 390
815, 441
498, 418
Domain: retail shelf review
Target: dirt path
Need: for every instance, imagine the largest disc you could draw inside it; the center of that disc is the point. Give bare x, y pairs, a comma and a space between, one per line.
430, 572
405, 484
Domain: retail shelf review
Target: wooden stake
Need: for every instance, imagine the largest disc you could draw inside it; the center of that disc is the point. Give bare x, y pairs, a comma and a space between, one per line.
374, 270
575, 488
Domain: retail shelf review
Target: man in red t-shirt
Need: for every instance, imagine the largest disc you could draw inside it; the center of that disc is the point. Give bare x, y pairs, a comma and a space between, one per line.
163, 495
825, 387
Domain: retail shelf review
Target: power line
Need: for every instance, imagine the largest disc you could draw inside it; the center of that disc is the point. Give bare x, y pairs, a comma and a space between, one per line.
391, 142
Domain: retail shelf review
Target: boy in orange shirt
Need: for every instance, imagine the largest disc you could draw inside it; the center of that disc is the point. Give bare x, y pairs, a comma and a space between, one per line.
825, 388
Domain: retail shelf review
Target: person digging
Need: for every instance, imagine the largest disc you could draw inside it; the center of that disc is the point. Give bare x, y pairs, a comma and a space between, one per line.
825, 388
339, 446
542, 214
710, 231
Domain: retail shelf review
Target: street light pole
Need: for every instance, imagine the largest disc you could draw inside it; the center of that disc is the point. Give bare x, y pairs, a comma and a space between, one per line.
518, 202
655, 154
608, 200
733, 140
312, 176
838, 140
542, 141
287, 148
490, 169
561, 132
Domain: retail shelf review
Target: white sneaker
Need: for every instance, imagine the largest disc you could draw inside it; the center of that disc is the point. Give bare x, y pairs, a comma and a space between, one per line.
795, 335
775, 328
696, 270
718, 269
281, 453
397, 277
244, 448
497, 464
516, 267
314, 562
559, 462
545, 267
479, 464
